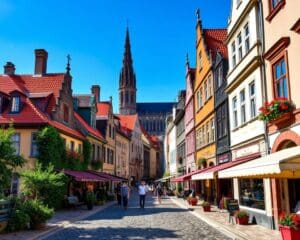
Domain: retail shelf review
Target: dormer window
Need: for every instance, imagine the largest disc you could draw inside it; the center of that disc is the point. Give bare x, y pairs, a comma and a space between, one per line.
15, 104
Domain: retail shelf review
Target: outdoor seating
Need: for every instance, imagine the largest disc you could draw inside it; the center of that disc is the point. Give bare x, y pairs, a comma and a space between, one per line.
74, 201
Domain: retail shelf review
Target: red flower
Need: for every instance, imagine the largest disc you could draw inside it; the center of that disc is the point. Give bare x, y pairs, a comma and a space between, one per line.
283, 106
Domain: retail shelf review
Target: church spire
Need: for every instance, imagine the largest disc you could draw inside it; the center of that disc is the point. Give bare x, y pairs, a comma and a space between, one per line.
127, 81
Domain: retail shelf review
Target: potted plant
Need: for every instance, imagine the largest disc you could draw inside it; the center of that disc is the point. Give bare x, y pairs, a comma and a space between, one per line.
202, 162
193, 201
90, 200
274, 110
289, 226
206, 206
38, 213
242, 217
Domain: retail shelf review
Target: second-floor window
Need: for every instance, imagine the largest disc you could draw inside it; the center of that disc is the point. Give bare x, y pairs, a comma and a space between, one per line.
252, 100
274, 3
247, 38
15, 104
235, 115
205, 90
209, 87
280, 79
200, 60
212, 124
233, 52
240, 46
243, 106
219, 77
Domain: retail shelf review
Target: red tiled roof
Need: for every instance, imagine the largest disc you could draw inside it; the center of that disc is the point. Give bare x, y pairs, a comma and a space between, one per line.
91, 130
128, 121
64, 129
103, 109
215, 41
33, 84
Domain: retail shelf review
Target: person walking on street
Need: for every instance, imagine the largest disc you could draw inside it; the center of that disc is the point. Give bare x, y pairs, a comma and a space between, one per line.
125, 194
159, 193
118, 194
142, 192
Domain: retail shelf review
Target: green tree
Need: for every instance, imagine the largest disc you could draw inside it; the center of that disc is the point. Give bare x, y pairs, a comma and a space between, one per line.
9, 160
87, 153
50, 147
45, 184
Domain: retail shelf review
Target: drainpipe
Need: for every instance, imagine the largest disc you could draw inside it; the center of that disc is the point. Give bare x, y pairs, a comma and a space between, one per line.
260, 27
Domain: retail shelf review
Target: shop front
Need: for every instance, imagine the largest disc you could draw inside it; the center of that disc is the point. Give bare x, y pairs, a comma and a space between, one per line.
253, 184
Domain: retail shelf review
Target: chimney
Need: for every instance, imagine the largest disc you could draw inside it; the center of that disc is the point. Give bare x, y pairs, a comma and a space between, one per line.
96, 92
41, 57
9, 68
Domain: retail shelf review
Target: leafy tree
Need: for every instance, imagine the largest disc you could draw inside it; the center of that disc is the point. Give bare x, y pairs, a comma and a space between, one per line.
9, 160
46, 185
50, 147
86, 150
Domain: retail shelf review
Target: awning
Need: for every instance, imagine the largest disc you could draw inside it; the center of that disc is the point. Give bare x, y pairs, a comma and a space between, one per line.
285, 163
82, 176
211, 172
187, 176
164, 179
107, 176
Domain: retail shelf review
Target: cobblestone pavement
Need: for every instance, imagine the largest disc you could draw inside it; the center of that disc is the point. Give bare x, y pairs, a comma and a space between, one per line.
164, 221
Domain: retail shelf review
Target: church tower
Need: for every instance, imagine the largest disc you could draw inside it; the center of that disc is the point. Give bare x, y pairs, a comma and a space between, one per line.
127, 82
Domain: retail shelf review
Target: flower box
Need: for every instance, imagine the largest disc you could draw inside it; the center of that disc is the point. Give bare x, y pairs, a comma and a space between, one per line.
289, 233
193, 201
282, 119
206, 208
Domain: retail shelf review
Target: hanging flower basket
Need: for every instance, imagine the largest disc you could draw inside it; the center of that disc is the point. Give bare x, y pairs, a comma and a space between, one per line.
274, 111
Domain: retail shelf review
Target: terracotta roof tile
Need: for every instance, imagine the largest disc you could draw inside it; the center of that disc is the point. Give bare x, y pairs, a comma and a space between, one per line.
215, 41
91, 130
127, 121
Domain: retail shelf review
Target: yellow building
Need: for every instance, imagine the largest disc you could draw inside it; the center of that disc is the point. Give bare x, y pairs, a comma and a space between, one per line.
208, 42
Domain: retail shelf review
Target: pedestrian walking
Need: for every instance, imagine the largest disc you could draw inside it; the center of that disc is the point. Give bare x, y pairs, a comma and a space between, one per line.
159, 193
125, 194
142, 192
118, 194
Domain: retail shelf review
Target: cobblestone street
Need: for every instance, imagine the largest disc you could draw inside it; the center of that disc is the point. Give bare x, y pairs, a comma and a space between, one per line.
165, 221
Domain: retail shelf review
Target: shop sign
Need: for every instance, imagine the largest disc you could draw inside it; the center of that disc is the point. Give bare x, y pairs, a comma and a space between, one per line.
223, 158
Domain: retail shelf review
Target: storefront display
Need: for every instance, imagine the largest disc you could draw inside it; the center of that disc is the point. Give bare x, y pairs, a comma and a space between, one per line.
252, 193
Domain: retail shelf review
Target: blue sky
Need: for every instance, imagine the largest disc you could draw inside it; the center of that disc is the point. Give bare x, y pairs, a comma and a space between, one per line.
93, 33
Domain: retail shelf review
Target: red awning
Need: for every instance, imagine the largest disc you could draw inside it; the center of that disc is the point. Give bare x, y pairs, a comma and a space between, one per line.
187, 176
107, 176
82, 176
209, 173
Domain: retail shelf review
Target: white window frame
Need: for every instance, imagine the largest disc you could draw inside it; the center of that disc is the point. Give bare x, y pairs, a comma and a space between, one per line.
252, 100
205, 90
233, 52
212, 126
207, 132
240, 45
235, 112
247, 37
15, 104
243, 106
200, 61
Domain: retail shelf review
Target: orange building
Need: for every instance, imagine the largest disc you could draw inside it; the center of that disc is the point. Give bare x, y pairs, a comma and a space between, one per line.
208, 42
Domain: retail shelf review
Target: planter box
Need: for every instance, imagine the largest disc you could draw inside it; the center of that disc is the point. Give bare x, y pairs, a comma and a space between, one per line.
289, 233
194, 201
206, 208
282, 119
242, 220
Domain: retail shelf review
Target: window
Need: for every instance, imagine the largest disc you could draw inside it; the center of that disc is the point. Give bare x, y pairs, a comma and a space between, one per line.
233, 54
205, 91
198, 144
212, 135
66, 113
33, 148
219, 77
238, 2
15, 104
207, 132
247, 38
240, 47
201, 97
200, 61
16, 140
235, 116
200, 137
275, 3
72, 146
243, 106
252, 193
224, 120
198, 100
209, 86
252, 100
280, 79
219, 123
